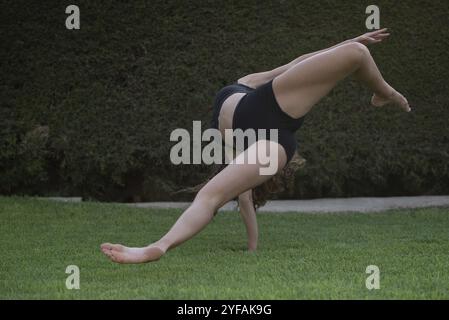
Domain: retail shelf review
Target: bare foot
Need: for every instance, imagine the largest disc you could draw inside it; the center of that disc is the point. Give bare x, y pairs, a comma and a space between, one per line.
122, 254
394, 98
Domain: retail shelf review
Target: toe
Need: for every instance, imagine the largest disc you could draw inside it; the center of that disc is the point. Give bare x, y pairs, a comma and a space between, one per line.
111, 257
106, 246
116, 257
108, 253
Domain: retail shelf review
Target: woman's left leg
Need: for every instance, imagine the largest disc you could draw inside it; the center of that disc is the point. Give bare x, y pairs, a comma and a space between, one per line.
237, 177
298, 89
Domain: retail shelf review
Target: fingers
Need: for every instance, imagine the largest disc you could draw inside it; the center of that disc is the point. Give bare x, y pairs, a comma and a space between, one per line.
378, 34
378, 31
371, 40
381, 36
378, 37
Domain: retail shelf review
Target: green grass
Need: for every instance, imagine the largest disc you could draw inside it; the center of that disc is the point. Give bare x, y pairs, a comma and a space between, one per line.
300, 256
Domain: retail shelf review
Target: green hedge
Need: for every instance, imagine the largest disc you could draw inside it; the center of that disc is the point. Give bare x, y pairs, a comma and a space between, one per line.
89, 112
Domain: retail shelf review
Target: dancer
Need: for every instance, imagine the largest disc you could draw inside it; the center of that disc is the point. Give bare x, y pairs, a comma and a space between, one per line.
279, 98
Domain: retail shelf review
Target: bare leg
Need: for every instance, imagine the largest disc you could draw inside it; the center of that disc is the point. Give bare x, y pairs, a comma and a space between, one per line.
226, 185
302, 86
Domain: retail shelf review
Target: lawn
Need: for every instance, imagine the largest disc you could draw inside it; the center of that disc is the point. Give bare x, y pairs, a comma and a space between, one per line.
300, 256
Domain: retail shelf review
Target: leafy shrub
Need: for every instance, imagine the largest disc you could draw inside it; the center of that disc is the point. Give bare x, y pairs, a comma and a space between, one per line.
111, 93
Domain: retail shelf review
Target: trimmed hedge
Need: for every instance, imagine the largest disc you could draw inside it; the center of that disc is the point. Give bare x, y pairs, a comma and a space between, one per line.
89, 112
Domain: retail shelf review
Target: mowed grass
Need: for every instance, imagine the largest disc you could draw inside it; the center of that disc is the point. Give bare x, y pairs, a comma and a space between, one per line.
300, 256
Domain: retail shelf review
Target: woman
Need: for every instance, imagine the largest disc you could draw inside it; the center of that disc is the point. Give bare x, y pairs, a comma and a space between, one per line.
279, 98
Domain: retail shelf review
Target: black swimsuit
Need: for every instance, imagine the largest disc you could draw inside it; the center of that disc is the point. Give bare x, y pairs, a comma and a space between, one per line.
258, 109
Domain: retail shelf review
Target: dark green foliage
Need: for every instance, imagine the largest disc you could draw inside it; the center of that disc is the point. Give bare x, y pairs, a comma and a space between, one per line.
111, 93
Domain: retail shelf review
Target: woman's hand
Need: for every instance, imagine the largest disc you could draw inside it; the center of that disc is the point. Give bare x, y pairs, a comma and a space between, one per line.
372, 37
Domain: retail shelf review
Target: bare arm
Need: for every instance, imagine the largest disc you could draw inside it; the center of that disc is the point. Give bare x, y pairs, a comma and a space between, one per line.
248, 214
246, 208
257, 79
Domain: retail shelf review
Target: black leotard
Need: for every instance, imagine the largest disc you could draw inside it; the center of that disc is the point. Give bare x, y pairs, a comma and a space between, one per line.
258, 109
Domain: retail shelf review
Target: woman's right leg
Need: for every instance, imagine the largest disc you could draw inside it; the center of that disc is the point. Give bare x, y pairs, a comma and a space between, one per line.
298, 89
236, 178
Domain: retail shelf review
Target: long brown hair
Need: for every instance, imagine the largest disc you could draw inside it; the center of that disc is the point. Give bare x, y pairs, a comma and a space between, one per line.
282, 181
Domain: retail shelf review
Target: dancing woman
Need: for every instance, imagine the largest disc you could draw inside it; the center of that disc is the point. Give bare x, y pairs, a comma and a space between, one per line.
275, 99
